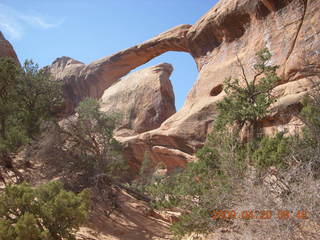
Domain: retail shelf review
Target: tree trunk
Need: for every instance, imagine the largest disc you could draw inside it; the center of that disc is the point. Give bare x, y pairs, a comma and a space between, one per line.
253, 130
249, 131
3, 128
2, 178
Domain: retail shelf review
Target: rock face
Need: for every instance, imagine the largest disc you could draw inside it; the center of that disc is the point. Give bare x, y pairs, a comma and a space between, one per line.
144, 99
6, 49
289, 28
242, 28
67, 69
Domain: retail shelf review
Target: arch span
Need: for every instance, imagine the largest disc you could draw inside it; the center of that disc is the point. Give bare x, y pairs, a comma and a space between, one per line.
92, 79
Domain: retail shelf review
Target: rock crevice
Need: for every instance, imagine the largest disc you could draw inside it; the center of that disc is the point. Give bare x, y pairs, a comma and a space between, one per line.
301, 21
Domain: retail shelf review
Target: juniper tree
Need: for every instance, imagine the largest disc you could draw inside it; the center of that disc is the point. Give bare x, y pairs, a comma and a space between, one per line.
27, 97
212, 181
95, 159
47, 212
248, 100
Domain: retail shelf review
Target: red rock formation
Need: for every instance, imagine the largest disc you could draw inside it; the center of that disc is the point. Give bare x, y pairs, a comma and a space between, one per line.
289, 28
91, 80
6, 49
143, 99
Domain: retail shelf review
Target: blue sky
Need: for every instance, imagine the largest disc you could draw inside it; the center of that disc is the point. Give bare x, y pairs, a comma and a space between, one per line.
86, 30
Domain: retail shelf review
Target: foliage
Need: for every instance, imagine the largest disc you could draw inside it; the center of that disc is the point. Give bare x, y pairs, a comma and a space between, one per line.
12, 131
307, 149
248, 101
203, 185
47, 212
27, 97
94, 153
39, 96
149, 173
216, 180
310, 115
271, 151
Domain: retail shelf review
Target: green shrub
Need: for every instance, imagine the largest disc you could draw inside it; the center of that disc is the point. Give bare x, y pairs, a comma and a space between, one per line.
47, 212
310, 115
27, 97
248, 100
92, 148
217, 178
93, 156
145, 176
204, 185
271, 151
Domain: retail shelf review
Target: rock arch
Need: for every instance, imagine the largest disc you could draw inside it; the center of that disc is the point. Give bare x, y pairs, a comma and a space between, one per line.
91, 80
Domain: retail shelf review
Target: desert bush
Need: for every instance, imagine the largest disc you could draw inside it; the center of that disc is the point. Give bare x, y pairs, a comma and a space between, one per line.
27, 97
295, 181
145, 175
221, 176
248, 100
47, 212
271, 151
204, 185
94, 157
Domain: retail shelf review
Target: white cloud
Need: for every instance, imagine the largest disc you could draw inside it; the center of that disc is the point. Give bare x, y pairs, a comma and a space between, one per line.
10, 30
39, 22
14, 23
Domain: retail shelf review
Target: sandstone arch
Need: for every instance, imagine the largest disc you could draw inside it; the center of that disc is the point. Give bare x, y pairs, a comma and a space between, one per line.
91, 80
286, 27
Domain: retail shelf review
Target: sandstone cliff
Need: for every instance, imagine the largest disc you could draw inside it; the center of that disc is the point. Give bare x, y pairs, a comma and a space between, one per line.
289, 28
6, 49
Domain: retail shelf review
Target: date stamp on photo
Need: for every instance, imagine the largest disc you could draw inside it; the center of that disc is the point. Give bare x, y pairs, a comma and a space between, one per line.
259, 214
